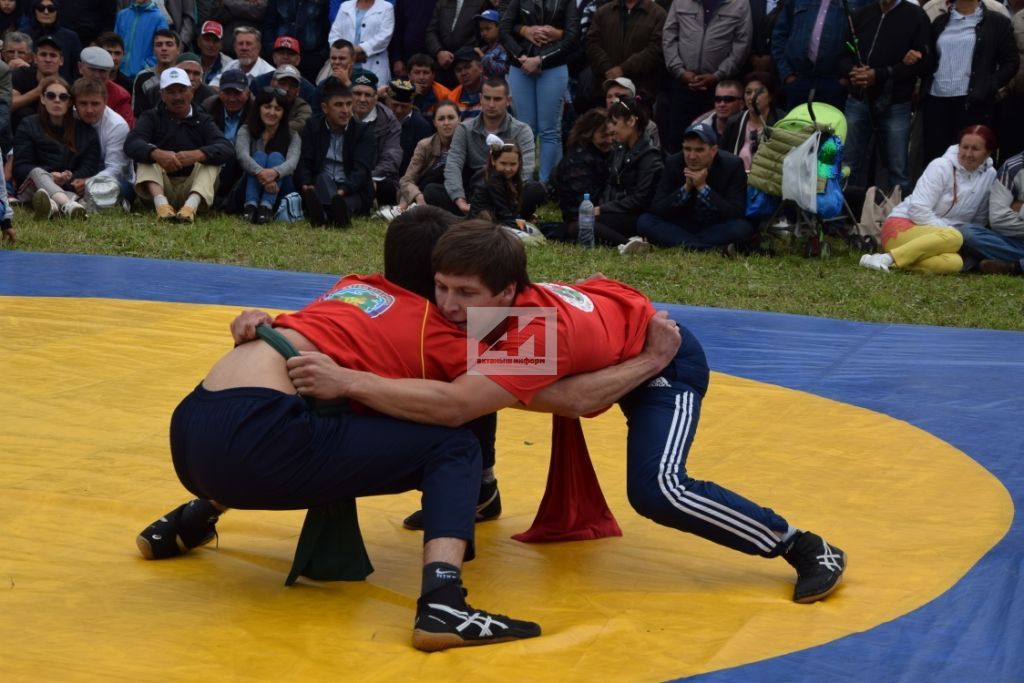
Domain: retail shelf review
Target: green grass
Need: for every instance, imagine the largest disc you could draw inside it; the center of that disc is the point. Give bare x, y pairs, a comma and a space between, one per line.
836, 287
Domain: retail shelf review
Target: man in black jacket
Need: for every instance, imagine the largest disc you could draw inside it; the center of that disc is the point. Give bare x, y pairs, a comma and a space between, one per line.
893, 39
701, 197
338, 154
179, 151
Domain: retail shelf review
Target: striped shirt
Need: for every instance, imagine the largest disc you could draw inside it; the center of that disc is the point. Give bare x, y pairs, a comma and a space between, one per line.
956, 51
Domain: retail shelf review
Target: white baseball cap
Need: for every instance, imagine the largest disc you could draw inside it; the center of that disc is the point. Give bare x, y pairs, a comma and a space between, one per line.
174, 76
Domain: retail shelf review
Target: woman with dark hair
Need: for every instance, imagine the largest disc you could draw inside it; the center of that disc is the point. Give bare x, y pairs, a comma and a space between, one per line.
920, 233
584, 167
268, 151
42, 20
744, 133
633, 173
11, 15
51, 150
426, 167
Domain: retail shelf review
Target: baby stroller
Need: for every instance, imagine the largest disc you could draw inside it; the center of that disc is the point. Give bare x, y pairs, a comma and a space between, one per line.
800, 159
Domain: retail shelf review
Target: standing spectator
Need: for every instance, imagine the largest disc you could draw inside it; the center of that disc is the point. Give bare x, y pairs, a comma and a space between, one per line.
701, 198
210, 42
470, 74
882, 87
304, 22
386, 131
808, 39
584, 168
624, 40
922, 232
539, 36
1001, 248
763, 14
409, 37
183, 20
27, 81
468, 155
51, 150
146, 87
268, 151
44, 21
228, 109
414, 126
635, 167
334, 168
137, 24
178, 150
234, 13
247, 54
11, 16
368, 25
422, 72
95, 62
429, 158
704, 42
1011, 110
451, 26
963, 91
493, 55
114, 45
90, 99
6, 93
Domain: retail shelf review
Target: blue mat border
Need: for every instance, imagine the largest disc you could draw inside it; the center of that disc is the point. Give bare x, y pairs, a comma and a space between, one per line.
962, 385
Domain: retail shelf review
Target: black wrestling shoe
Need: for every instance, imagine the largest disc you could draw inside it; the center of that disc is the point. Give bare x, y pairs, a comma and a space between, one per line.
444, 620
488, 507
819, 566
186, 527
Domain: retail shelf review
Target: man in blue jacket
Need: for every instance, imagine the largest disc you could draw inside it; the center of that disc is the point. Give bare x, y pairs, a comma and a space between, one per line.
179, 151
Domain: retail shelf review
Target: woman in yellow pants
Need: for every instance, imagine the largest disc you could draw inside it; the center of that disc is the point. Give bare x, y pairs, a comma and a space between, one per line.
920, 232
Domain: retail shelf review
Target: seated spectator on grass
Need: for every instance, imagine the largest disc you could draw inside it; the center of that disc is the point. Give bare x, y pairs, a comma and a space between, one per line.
95, 62
17, 49
137, 25
114, 45
268, 152
210, 43
247, 54
422, 73
414, 127
999, 249
387, 132
43, 20
584, 168
470, 75
469, 153
89, 96
146, 86
729, 104
615, 88
288, 80
339, 65
338, 156
191, 64
744, 133
429, 158
493, 56
179, 151
499, 197
51, 150
701, 198
634, 169
27, 81
921, 232
229, 108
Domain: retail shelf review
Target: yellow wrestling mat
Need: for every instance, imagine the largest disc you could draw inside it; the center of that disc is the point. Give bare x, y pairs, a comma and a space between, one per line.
84, 465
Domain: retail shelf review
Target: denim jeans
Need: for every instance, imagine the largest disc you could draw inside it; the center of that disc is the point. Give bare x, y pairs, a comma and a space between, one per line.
254, 193
538, 103
893, 129
666, 233
981, 242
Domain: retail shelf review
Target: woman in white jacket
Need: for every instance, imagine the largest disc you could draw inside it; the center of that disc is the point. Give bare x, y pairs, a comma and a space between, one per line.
369, 25
920, 233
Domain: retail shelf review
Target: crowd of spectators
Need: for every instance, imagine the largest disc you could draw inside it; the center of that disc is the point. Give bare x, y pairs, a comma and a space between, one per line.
655, 108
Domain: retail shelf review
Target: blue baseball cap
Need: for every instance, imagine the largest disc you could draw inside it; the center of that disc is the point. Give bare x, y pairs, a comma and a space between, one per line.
704, 131
489, 15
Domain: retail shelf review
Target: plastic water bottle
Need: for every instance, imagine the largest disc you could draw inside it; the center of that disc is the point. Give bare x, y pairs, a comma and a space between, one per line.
585, 237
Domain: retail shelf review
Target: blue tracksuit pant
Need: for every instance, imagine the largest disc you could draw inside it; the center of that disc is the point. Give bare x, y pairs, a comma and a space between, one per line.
662, 417
261, 449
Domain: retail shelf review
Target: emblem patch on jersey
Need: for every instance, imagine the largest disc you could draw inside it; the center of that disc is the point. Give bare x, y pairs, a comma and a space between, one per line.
573, 297
369, 300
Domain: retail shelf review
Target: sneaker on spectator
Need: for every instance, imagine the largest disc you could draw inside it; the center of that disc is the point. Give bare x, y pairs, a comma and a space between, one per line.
444, 620
165, 212
185, 527
42, 206
74, 210
186, 214
876, 262
819, 566
635, 245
